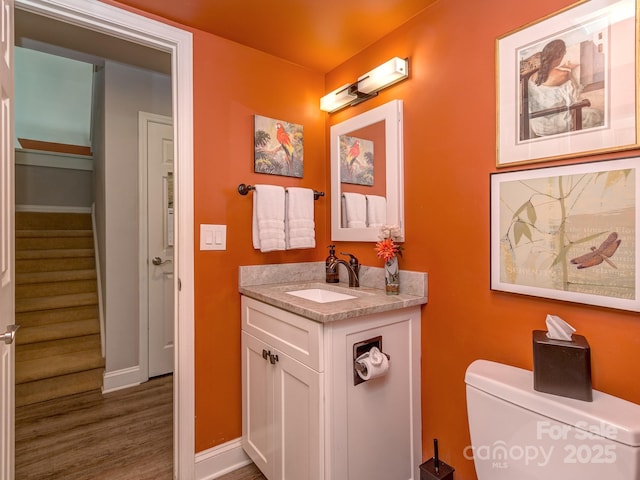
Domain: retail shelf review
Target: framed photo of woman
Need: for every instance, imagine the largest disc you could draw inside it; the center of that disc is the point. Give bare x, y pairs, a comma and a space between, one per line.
567, 84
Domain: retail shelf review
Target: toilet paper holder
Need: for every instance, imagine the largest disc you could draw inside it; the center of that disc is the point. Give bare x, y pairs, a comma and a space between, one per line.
363, 347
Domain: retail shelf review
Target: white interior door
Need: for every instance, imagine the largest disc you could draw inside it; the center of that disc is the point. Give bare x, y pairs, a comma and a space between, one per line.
160, 240
7, 305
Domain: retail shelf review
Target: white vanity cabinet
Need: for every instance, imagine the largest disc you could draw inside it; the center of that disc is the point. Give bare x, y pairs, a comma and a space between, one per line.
305, 418
282, 419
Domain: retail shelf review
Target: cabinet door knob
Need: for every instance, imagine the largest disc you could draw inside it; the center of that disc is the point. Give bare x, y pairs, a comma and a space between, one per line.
273, 359
265, 353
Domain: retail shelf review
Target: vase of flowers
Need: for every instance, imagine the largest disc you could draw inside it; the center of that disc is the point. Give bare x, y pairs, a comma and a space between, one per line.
388, 250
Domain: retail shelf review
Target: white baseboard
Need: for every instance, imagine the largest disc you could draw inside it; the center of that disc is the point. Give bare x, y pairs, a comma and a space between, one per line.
119, 379
52, 209
220, 460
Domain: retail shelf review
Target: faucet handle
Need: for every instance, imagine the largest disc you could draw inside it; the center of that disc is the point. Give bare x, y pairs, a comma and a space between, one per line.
353, 261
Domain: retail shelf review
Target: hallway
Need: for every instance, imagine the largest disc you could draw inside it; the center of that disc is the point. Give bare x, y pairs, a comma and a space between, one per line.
123, 435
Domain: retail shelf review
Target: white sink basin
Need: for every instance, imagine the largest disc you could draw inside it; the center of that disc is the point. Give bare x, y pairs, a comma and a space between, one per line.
320, 295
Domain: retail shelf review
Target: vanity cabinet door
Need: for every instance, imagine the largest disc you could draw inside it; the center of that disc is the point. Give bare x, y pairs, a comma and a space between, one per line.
298, 420
281, 413
258, 434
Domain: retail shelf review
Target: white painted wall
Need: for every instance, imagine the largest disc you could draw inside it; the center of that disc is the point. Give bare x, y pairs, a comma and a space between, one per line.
99, 174
41, 182
127, 90
59, 89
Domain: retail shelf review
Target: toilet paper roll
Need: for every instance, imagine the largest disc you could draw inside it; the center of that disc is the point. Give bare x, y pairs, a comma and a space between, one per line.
375, 362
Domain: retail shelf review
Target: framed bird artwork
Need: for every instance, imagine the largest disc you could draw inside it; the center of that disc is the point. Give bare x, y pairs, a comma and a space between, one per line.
278, 147
356, 160
568, 233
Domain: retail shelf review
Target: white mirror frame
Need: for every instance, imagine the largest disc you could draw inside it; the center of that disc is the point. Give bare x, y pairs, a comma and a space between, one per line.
391, 114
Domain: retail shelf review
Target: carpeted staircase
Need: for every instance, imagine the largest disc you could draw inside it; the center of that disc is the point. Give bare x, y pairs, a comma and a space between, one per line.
58, 350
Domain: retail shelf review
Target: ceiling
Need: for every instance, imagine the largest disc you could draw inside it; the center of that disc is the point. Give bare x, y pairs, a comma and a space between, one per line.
319, 34
63, 39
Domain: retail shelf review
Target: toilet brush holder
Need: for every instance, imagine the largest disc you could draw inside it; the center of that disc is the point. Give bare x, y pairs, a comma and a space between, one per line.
428, 470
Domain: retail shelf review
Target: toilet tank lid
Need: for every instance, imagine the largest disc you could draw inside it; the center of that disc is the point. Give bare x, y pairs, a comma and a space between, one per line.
607, 416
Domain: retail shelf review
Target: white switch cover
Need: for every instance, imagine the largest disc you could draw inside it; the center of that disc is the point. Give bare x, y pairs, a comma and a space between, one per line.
213, 237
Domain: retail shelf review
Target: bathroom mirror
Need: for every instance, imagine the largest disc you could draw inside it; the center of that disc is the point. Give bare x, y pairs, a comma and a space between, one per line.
367, 182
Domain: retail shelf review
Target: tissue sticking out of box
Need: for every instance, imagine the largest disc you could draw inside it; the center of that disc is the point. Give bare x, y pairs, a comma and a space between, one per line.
558, 329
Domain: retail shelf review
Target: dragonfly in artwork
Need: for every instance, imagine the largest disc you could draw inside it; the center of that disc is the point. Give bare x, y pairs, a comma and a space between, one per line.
600, 254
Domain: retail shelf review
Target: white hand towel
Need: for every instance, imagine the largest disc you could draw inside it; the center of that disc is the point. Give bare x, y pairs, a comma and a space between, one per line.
268, 218
356, 209
376, 211
300, 228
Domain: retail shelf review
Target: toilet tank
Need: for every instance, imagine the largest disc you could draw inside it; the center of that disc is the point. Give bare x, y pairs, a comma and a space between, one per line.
519, 433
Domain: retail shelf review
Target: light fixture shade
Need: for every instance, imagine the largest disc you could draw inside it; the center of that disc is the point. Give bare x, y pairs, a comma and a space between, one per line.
384, 75
340, 97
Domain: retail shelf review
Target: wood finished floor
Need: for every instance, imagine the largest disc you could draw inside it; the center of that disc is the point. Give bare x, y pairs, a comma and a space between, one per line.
124, 435
250, 472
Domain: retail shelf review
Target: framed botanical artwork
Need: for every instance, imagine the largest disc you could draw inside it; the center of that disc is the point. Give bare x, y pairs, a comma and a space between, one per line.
278, 147
568, 233
567, 84
356, 160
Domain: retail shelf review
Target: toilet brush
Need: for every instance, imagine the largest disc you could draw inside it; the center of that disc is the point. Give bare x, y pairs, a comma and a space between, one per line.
434, 468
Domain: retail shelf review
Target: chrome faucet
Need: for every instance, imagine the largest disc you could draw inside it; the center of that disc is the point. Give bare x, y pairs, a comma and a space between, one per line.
352, 266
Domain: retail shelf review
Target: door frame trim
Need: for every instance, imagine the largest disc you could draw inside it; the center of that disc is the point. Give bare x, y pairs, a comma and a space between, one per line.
144, 118
127, 25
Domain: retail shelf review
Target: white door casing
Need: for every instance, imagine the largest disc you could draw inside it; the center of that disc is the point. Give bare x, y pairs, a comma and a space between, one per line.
132, 27
7, 302
156, 244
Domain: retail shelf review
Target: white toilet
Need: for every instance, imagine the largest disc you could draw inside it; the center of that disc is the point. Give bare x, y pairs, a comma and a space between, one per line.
518, 433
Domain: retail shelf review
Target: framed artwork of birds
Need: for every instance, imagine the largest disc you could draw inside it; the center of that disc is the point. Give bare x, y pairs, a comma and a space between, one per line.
356, 160
278, 147
568, 233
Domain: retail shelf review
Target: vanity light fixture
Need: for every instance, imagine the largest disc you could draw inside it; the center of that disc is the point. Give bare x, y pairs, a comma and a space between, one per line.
367, 85
339, 98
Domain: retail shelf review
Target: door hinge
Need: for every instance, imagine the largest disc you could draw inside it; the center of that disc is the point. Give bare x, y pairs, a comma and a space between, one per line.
179, 284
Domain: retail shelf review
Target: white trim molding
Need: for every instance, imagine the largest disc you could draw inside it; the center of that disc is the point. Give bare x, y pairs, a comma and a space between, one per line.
52, 209
39, 158
120, 379
220, 460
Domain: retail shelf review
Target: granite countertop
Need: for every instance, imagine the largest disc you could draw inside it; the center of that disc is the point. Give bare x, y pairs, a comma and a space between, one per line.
270, 284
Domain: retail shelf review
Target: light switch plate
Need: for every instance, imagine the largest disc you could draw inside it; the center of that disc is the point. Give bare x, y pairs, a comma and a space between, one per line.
213, 237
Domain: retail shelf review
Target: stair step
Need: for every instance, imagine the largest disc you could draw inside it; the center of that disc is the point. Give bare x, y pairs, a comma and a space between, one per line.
49, 220
50, 289
55, 253
58, 350
57, 331
42, 390
52, 242
59, 301
60, 315
54, 264
45, 277
53, 233
37, 361
56, 347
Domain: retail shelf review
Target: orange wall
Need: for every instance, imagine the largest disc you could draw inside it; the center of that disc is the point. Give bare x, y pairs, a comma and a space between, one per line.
449, 133
449, 118
232, 83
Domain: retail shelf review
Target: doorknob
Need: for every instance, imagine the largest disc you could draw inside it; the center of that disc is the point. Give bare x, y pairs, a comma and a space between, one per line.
159, 261
9, 336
